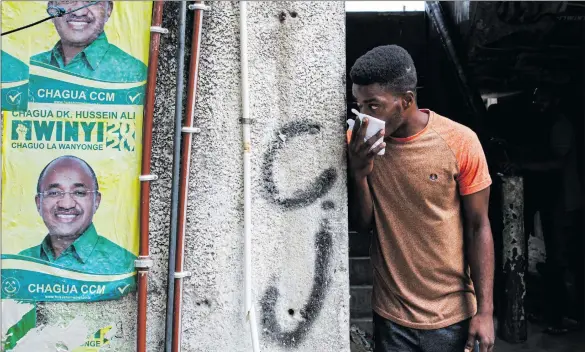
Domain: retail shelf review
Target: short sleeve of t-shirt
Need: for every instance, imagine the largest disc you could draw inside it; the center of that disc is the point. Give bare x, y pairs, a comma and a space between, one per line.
474, 174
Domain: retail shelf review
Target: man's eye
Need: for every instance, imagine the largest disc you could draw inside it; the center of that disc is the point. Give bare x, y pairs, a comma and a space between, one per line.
53, 193
373, 106
80, 194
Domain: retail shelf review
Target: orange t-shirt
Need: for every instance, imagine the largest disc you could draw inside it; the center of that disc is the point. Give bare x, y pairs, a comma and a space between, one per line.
421, 277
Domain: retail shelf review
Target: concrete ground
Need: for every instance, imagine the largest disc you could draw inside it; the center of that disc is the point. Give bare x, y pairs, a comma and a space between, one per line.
539, 342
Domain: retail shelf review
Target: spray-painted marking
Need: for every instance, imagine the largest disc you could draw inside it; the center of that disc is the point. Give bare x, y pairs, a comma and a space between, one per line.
303, 197
313, 306
323, 240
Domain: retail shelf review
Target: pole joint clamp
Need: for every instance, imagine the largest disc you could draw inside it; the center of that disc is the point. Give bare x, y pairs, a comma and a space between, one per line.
159, 29
191, 129
144, 178
143, 263
182, 274
199, 6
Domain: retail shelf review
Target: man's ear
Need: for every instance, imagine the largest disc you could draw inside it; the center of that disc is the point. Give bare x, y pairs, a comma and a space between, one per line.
98, 199
408, 100
38, 202
110, 8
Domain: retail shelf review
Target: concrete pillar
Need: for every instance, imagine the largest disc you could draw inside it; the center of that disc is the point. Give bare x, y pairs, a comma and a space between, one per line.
513, 318
299, 236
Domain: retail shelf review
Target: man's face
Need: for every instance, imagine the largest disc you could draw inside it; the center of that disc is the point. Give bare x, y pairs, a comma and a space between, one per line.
69, 214
82, 27
378, 102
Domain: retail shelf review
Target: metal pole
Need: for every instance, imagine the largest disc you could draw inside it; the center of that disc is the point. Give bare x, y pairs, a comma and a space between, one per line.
176, 177
246, 122
188, 129
144, 261
473, 99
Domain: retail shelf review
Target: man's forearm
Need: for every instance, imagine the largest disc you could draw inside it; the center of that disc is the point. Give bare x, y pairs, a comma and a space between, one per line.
361, 206
481, 262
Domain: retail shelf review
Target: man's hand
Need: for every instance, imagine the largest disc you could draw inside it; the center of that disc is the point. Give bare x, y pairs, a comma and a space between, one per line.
481, 328
361, 158
360, 165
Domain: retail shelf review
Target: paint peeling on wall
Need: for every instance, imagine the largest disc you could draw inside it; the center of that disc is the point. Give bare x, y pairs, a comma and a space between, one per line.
54, 338
73, 337
17, 319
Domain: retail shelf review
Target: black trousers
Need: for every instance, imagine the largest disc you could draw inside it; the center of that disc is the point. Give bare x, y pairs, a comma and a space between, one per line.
391, 337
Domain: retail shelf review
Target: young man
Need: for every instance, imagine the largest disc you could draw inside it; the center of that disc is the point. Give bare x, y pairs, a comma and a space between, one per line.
426, 199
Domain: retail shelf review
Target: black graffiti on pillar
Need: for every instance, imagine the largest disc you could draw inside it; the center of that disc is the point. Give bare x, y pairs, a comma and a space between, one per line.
318, 188
303, 197
313, 306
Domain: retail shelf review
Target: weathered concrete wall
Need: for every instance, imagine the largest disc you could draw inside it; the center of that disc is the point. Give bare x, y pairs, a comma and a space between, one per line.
297, 69
301, 288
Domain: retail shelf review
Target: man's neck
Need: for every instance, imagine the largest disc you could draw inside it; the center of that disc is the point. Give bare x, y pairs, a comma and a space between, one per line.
60, 243
69, 52
416, 120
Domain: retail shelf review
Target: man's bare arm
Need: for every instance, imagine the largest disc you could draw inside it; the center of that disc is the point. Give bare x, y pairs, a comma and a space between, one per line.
480, 251
480, 248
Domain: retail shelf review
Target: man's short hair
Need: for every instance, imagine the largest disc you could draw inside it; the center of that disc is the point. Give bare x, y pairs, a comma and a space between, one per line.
389, 65
70, 157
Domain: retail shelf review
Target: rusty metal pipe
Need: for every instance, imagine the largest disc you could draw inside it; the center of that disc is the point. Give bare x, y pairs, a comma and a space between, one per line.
144, 252
188, 130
